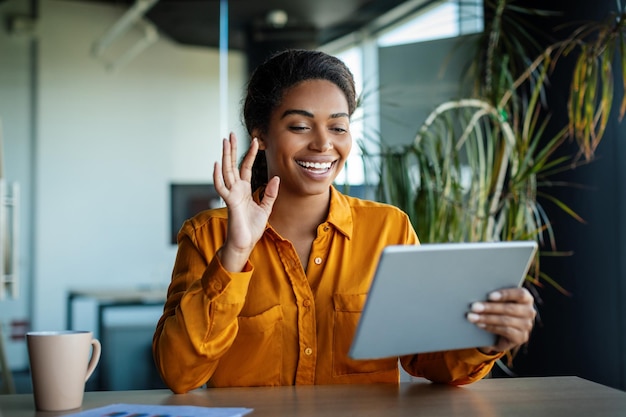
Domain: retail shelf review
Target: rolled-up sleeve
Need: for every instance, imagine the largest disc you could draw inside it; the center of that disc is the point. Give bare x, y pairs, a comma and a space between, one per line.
455, 367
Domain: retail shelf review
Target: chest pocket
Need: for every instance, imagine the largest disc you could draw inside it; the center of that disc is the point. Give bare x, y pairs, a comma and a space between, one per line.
255, 357
348, 309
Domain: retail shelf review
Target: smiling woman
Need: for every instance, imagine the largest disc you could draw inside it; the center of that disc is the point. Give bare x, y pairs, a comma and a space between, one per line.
269, 290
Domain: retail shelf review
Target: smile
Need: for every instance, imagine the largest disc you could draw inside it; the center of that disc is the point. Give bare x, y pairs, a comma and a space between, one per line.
315, 166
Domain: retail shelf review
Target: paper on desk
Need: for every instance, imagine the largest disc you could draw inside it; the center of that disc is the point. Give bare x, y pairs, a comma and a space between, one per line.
141, 410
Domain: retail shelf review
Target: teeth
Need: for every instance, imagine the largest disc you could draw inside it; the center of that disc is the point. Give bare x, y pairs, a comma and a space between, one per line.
315, 165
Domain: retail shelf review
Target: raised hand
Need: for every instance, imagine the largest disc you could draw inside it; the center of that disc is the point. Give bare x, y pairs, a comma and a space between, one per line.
508, 313
246, 218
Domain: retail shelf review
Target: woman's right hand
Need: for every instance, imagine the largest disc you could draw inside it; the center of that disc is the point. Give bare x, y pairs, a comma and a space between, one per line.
246, 218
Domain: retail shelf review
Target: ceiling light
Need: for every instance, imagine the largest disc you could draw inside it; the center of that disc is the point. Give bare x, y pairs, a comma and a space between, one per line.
277, 18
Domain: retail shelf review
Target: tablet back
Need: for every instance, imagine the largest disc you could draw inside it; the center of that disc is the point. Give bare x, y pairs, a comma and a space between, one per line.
420, 295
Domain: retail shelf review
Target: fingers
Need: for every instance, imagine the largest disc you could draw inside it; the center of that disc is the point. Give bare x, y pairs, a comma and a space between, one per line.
271, 192
233, 151
228, 169
229, 180
509, 313
507, 303
248, 160
519, 295
218, 182
226, 174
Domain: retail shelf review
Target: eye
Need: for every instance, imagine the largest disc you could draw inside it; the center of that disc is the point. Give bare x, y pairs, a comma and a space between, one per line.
298, 128
339, 129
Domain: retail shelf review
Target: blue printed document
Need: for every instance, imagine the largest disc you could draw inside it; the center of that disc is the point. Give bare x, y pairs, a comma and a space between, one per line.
142, 410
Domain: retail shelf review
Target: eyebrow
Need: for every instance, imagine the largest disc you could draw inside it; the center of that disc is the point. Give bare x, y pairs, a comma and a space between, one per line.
309, 114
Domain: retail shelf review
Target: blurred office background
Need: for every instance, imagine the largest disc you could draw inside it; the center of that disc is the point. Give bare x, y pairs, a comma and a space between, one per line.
100, 141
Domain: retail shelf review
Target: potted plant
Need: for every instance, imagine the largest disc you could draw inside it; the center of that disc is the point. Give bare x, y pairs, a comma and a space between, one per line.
480, 168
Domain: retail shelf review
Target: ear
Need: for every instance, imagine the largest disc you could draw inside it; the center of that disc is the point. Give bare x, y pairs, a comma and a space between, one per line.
256, 133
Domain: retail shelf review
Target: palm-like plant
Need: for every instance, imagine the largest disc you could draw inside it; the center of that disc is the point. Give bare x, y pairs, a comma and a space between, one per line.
479, 167
591, 97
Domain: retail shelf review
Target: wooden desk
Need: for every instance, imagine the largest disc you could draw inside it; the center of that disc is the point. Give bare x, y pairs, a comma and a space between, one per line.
523, 397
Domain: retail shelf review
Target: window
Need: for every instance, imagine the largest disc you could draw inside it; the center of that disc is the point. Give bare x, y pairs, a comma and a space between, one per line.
353, 172
442, 19
429, 21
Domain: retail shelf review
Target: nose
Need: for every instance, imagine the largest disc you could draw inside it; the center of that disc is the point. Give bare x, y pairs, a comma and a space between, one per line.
321, 142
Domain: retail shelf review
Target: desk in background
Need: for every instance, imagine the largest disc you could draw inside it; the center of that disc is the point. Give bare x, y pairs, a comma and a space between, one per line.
126, 361
499, 397
108, 299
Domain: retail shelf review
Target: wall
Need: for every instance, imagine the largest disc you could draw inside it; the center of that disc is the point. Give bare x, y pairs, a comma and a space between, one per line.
16, 116
107, 146
429, 75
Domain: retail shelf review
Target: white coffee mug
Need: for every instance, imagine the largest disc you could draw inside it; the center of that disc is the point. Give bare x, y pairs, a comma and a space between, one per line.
60, 364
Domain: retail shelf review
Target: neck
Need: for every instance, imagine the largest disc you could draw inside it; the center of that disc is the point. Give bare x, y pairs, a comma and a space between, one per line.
299, 215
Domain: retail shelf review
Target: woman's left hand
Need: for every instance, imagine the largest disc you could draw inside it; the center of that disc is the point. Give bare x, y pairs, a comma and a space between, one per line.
508, 313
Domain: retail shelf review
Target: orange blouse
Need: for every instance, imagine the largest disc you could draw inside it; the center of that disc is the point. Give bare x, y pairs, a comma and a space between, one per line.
275, 324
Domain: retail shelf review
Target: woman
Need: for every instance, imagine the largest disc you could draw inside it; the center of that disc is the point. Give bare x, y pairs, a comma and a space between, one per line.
268, 290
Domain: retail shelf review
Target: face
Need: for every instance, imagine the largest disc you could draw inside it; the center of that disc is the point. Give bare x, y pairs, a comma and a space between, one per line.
308, 140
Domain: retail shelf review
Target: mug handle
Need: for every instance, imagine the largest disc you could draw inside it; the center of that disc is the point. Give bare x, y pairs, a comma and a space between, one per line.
95, 357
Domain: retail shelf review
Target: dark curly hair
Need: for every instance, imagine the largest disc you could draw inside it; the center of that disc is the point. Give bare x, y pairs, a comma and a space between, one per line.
271, 80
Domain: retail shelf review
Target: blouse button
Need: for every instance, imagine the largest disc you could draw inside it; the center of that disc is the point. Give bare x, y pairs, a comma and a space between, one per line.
306, 303
308, 351
217, 286
326, 228
318, 260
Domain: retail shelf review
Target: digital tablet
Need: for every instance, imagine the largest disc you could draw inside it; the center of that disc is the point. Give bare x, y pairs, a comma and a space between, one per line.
420, 295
